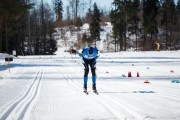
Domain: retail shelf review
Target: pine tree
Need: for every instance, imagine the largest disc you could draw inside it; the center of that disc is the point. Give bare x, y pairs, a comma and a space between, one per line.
95, 24
168, 19
58, 10
178, 14
178, 7
133, 18
68, 13
88, 15
119, 21
13, 15
78, 22
150, 13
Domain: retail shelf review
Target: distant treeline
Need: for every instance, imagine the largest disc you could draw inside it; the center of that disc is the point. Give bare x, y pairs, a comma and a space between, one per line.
28, 28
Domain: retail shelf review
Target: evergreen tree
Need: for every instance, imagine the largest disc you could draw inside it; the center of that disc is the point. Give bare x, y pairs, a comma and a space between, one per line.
95, 24
178, 19
13, 19
76, 8
78, 22
133, 18
58, 10
119, 21
150, 13
52, 46
68, 13
178, 7
178, 14
85, 39
168, 19
88, 15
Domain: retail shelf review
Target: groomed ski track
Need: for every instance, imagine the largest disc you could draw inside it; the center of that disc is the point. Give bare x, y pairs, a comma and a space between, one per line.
52, 90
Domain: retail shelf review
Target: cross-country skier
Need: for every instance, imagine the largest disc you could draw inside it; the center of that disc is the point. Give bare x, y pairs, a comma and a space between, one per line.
89, 56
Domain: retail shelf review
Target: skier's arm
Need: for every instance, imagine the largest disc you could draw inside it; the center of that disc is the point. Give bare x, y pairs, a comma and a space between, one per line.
97, 56
79, 53
97, 53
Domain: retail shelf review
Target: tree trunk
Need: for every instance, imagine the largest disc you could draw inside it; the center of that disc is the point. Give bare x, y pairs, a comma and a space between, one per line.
0, 36
7, 43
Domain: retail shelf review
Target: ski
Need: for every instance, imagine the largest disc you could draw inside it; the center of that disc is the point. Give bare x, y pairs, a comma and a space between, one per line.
96, 92
86, 92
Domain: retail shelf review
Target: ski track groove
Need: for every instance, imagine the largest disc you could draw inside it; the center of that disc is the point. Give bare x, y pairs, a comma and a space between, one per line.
18, 109
69, 80
112, 102
18, 73
113, 106
165, 95
118, 103
104, 104
110, 105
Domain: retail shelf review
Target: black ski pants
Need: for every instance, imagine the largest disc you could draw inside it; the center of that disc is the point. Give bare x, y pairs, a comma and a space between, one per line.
92, 64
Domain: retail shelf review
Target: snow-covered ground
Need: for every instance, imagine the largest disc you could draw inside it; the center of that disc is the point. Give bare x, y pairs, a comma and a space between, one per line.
50, 87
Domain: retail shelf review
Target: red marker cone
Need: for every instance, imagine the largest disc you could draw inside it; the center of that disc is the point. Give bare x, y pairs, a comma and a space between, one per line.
146, 81
137, 74
129, 74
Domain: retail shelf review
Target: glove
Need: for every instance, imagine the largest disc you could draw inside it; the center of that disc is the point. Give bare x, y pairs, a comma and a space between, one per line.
97, 56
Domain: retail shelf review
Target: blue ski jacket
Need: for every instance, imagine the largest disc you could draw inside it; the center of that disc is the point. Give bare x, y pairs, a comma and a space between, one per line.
85, 53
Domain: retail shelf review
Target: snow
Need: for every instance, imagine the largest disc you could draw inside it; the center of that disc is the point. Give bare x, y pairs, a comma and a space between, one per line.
50, 87
85, 26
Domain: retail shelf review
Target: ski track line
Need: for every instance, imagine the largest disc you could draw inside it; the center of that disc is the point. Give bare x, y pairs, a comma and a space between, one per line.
18, 109
107, 106
110, 105
69, 80
173, 97
68, 77
164, 95
113, 105
22, 71
117, 103
168, 96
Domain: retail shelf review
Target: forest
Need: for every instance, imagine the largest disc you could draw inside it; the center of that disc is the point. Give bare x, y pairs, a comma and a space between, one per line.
28, 27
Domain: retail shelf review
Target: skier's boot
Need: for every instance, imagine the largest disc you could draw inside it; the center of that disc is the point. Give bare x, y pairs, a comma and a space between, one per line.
85, 88
94, 88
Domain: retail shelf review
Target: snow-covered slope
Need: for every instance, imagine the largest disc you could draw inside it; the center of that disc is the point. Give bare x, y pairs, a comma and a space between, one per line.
50, 87
67, 37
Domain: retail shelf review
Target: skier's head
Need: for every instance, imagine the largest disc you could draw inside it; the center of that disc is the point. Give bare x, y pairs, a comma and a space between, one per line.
91, 50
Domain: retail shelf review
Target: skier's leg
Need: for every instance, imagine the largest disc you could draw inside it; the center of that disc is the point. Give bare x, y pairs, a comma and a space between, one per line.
93, 71
86, 71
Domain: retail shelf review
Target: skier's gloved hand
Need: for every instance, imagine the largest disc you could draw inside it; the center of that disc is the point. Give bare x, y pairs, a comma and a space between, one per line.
80, 54
97, 56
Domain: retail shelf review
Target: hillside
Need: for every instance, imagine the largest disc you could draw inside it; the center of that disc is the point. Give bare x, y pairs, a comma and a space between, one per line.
68, 37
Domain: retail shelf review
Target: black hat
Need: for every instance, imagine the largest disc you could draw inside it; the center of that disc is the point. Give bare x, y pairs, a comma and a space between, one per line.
91, 50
